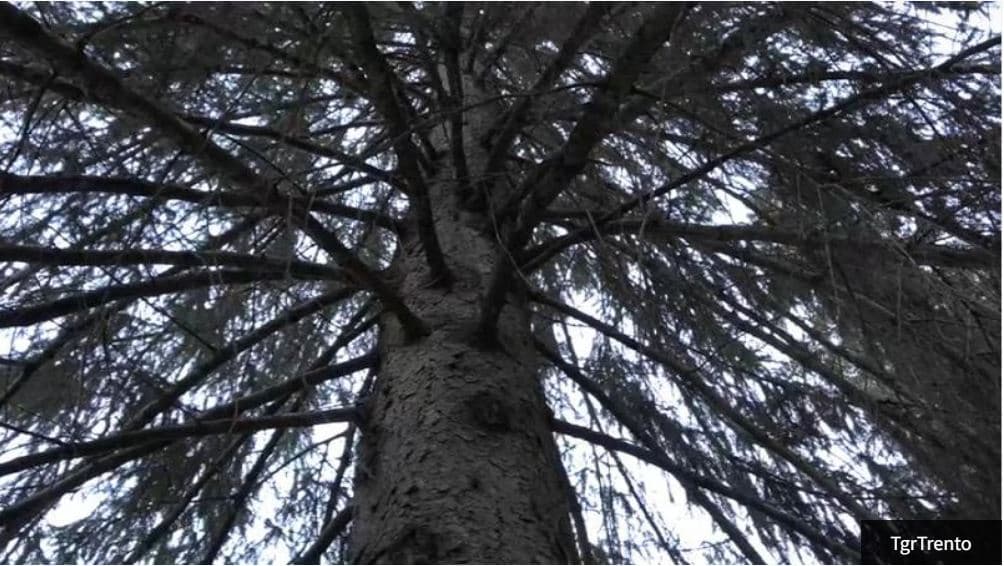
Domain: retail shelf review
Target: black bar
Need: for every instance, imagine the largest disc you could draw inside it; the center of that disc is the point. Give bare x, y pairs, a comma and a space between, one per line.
930, 542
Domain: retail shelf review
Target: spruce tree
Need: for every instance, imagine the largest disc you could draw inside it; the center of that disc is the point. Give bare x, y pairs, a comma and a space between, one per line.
484, 282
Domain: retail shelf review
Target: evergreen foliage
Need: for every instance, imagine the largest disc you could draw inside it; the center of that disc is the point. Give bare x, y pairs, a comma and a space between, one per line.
760, 243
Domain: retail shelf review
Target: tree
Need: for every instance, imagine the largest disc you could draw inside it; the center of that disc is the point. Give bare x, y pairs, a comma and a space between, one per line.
524, 254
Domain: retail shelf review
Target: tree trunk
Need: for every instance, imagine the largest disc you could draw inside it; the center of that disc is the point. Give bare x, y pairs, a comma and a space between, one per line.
457, 460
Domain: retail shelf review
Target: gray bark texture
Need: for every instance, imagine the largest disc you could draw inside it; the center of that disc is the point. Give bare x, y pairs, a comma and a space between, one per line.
457, 460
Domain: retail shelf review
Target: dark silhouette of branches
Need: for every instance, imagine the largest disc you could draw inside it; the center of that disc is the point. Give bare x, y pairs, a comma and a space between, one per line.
230, 235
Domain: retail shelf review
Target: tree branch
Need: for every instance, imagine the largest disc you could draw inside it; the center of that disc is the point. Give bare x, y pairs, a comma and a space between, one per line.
330, 531
349, 161
747, 499
551, 177
126, 439
164, 525
56, 184
150, 288
105, 87
253, 264
392, 105
201, 371
223, 526
859, 76
598, 118
452, 39
626, 418
347, 79
512, 122
850, 103
700, 384
923, 254
14, 516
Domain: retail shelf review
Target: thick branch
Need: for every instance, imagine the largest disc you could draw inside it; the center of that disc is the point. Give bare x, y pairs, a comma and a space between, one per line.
334, 527
54, 184
513, 121
923, 254
550, 178
159, 286
598, 119
392, 105
126, 439
452, 40
254, 264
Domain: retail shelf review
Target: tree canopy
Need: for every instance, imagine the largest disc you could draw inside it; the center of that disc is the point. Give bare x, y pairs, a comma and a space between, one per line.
760, 241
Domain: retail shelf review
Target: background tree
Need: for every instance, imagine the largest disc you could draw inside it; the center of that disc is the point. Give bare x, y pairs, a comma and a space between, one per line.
536, 259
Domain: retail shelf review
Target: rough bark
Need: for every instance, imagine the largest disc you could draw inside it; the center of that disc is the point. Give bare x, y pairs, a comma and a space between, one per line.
457, 459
